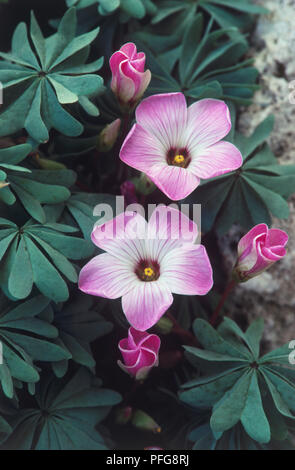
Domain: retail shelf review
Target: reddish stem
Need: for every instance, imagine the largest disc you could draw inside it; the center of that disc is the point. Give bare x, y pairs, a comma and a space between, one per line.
186, 335
222, 302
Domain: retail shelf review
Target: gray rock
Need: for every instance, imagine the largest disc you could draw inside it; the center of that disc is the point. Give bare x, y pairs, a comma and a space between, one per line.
272, 295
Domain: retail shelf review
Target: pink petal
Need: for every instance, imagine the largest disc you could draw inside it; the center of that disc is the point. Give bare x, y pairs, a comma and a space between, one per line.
216, 160
106, 276
126, 86
139, 62
115, 62
146, 360
146, 303
262, 262
135, 337
129, 49
276, 237
208, 122
246, 243
165, 117
187, 270
169, 223
123, 236
151, 343
273, 254
176, 182
127, 70
142, 150
130, 356
144, 83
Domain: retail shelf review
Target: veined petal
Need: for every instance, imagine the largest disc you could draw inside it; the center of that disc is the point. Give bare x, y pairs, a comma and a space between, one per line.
176, 182
142, 150
169, 223
208, 122
187, 270
164, 116
123, 236
216, 160
146, 303
107, 276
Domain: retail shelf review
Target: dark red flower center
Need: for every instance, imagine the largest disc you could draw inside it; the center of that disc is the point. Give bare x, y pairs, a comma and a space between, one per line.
148, 270
178, 157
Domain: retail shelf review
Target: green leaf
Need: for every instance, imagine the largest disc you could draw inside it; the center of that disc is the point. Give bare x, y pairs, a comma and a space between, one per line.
42, 85
210, 339
73, 406
209, 63
253, 418
228, 411
253, 192
204, 394
78, 326
43, 251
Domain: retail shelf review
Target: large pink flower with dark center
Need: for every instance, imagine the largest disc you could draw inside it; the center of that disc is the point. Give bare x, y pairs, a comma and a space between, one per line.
140, 353
178, 146
129, 79
258, 250
145, 263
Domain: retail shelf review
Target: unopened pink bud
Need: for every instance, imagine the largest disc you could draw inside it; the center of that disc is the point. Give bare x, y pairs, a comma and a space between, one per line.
140, 353
129, 79
258, 250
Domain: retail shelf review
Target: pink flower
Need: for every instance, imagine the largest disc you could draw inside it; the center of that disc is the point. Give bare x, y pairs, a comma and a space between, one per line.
177, 146
145, 263
129, 80
140, 353
258, 250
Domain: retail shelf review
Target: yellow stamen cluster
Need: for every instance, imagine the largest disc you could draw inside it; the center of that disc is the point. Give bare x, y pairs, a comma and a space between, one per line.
178, 159
149, 272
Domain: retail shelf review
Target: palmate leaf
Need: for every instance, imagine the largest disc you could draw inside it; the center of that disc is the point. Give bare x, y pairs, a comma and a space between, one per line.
65, 415
78, 326
77, 211
7, 410
38, 82
249, 195
238, 390
127, 8
32, 187
234, 439
26, 337
226, 13
39, 254
207, 64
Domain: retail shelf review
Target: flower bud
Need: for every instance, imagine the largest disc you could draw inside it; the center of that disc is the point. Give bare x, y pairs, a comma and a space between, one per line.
129, 80
128, 190
47, 164
123, 415
143, 421
164, 325
108, 136
258, 250
144, 185
140, 353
